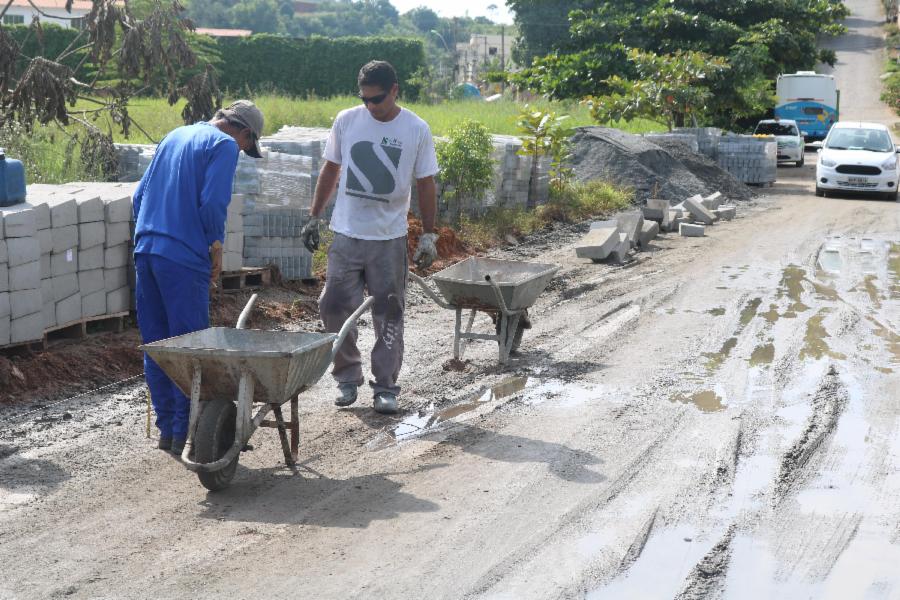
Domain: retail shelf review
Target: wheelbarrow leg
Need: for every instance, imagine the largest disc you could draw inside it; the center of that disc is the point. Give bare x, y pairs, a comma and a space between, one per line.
295, 429
508, 324
282, 434
459, 341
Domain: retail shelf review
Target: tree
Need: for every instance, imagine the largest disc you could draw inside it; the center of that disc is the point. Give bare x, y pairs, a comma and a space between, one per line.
545, 134
424, 19
467, 169
119, 48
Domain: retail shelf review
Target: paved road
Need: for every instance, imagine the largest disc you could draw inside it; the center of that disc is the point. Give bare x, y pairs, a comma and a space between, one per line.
719, 420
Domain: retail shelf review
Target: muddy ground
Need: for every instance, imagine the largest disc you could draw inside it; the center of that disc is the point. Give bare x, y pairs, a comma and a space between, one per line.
719, 419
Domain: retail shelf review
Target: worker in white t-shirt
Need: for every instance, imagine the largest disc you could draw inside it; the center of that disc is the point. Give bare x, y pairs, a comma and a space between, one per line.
374, 152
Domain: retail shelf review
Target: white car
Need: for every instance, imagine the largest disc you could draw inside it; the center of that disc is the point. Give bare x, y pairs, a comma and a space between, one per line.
787, 135
858, 157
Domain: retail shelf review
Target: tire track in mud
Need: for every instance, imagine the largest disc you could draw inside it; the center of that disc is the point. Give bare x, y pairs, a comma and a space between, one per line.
706, 580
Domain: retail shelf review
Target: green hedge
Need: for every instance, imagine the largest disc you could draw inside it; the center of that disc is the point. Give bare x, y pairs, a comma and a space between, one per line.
51, 44
314, 66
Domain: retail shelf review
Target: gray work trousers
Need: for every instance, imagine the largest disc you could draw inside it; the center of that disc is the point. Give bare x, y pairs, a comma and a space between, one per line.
379, 266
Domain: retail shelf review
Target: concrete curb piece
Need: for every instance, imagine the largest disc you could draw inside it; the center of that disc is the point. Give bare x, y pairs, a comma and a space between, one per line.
691, 230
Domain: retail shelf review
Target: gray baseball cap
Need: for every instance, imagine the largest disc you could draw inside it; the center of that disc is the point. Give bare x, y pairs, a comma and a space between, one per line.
247, 114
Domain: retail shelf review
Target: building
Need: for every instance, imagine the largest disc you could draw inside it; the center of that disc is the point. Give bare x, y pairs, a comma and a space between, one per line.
484, 52
22, 12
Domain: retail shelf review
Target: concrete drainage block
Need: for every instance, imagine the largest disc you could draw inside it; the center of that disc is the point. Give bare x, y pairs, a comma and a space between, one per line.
691, 230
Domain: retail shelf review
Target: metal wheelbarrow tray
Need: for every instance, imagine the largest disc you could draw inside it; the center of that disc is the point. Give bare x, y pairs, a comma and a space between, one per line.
216, 365
506, 289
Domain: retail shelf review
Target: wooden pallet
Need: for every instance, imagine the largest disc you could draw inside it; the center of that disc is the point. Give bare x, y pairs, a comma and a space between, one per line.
245, 279
81, 328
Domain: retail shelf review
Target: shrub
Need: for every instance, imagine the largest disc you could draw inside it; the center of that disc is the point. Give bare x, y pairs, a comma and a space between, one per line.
467, 168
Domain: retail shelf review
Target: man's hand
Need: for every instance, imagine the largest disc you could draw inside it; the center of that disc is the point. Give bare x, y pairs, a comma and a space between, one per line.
215, 257
426, 252
310, 234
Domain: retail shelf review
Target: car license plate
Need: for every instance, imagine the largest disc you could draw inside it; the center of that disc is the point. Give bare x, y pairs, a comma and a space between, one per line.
858, 179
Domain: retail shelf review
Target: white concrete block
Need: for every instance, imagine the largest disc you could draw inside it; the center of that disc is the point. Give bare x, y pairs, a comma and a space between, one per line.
26, 329
699, 212
232, 261
45, 239
23, 250
116, 257
4, 251
68, 310
691, 230
92, 258
118, 301
63, 211
118, 209
4, 331
25, 277
656, 209
94, 304
4, 304
649, 231
49, 314
90, 281
46, 266
726, 212
91, 234
234, 242
4, 278
63, 263
18, 221
631, 224
114, 279
602, 239
65, 238
64, 286
713, 201
90, 207
41, 215
118, 233
620, 253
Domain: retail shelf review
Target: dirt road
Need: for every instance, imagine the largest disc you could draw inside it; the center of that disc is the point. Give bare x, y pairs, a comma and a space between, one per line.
720, 419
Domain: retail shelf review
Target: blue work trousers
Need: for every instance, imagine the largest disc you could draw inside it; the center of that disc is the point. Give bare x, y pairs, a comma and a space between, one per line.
171, 300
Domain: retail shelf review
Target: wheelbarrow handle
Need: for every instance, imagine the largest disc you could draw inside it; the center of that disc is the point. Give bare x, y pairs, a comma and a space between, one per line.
348, 324
245, 314
501, 303
428, 291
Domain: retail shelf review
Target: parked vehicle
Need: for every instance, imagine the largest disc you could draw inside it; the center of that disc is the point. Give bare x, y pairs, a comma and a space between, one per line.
858, 157
810, 99
787, 135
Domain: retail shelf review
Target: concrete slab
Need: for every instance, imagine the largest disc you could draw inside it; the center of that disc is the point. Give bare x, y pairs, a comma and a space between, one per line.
64, 286
25, 277
65, 238
91, 234
63, 263
25, 302
17, 221
234, 242
631, 224
117, 209
727, 211
93, 305
63, 211
114, 279
118, 300
92, 258
49, 314
68, 310
116, 257
232, 261
691, 230
4, 251
649, 231
46, 266
90, 281
620, 253
602, 239
22, 250
118, 233
26, 329
4, 331
713, 201
4, 304
45, 239
90, 207
4, 278
656, 210
700, 213
41, 215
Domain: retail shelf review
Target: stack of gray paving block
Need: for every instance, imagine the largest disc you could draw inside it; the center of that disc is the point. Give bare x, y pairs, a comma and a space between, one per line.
20, 276
688, 139
117, 256
707, 138
272, 237
750, 159
91, 252
233, 251
134, 160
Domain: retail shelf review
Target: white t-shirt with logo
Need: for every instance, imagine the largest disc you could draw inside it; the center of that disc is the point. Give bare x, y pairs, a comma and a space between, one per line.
379, 161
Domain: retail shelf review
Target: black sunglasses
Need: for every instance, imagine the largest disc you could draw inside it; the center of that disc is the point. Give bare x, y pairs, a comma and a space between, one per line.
374, 99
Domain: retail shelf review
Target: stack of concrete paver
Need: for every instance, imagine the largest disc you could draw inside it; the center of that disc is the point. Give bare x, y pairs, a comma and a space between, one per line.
272, 237
134, 160
21, 305
512, 180
233, 251
707, 138
750, 159
91, 252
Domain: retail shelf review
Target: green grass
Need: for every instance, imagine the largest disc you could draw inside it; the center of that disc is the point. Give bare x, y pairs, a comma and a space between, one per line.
158, 118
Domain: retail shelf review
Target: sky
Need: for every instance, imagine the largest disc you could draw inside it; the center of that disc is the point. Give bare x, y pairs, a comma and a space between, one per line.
459, 8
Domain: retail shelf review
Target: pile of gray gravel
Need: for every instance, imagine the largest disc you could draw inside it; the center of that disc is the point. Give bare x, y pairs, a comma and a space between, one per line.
671, 170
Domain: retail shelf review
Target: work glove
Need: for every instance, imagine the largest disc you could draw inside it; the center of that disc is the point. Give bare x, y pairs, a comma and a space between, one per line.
426, 253
310, 234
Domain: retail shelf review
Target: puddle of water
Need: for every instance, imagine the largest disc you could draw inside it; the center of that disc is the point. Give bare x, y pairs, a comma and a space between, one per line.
749, 312
714, 360
815, 340
792, 286
707, 401
830, 260
762, 355
716, 312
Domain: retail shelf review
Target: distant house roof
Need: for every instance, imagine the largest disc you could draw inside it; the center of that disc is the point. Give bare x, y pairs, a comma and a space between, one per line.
224, 32
306, 6
84, 5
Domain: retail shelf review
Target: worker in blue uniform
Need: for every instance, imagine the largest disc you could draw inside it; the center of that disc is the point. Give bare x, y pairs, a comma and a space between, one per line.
180, 207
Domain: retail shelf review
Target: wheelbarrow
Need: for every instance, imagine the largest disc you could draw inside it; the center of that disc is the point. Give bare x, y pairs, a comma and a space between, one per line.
505, 289
265, 368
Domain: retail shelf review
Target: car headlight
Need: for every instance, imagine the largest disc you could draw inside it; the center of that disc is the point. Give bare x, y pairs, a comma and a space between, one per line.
890, 164
827, 162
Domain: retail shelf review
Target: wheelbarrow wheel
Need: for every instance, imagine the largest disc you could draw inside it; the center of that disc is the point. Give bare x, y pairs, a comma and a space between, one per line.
215, 435
516, 335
